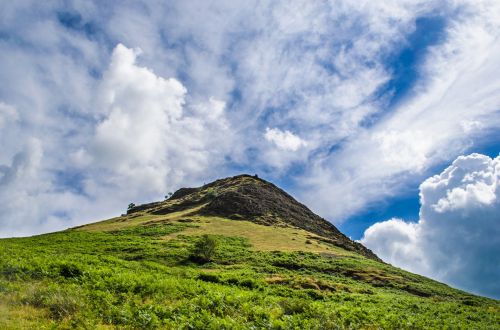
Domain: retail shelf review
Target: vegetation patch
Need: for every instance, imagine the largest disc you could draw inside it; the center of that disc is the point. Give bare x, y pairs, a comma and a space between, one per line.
76, 279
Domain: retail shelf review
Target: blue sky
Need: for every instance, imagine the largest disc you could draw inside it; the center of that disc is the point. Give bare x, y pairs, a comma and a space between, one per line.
351, 107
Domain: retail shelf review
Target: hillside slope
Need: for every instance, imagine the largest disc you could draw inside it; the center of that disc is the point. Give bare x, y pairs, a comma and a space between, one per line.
276, 265
250, 198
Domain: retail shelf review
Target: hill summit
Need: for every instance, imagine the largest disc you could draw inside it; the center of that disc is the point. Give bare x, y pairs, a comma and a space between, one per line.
246, 197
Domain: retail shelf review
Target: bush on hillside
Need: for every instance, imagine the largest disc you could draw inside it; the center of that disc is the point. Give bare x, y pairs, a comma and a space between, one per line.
204, 249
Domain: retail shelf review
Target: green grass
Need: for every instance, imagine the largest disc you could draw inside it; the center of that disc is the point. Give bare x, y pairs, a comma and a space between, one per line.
137, 274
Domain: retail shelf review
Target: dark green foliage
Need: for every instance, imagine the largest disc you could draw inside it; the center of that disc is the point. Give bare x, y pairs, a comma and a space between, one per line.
130, 206
207, 277
292, 306
157, 230
70, 270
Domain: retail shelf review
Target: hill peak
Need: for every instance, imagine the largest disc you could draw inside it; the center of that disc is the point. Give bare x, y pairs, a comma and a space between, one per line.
246, 197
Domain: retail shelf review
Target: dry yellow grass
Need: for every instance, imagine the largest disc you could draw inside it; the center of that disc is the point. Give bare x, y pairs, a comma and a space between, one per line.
22, 317
262, 238
14, 316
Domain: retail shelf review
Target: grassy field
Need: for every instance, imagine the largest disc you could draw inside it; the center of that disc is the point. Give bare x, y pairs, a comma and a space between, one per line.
136, 272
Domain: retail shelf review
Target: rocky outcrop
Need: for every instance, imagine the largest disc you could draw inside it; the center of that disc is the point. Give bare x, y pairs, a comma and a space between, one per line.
264, 203
183, 192
246, 197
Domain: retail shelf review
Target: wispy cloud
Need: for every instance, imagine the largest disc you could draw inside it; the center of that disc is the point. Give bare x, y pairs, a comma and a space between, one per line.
303, 90
454, 103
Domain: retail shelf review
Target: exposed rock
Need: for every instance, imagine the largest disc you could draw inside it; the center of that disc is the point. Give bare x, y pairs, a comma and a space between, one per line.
246, 197
262, 202
182, 192
143, 207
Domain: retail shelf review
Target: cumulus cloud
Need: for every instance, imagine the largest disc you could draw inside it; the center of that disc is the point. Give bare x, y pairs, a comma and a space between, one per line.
457, 239
282, 150
149, 139
24, 165
145, 140
284, 140
139, 107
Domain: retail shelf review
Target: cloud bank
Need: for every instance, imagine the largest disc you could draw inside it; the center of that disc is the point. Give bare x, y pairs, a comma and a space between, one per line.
140, 129
343, 103
457, 239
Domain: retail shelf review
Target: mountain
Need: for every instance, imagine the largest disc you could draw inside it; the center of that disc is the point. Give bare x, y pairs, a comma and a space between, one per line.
250, 198
237, 253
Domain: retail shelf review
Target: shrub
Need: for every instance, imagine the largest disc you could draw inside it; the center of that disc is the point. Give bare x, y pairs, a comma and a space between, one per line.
70, 270
204, 249
10, 272
207, 277
249, 283
211, 193
3, 287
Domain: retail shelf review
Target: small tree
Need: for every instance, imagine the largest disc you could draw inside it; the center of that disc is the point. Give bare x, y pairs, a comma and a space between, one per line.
204, 249
130, 206
168, 195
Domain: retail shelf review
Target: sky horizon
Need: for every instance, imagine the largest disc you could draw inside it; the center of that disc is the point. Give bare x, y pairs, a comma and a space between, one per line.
383, 118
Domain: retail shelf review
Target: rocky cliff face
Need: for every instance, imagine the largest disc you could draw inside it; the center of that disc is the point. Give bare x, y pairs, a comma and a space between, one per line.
246, 197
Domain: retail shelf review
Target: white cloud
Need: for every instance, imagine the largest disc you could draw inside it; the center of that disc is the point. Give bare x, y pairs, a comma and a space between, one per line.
19, 185
149, 139
453, 104
139, 108
395, 239
457, 239
24, 165
284, 140
8, 114
282, 150
146, 140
